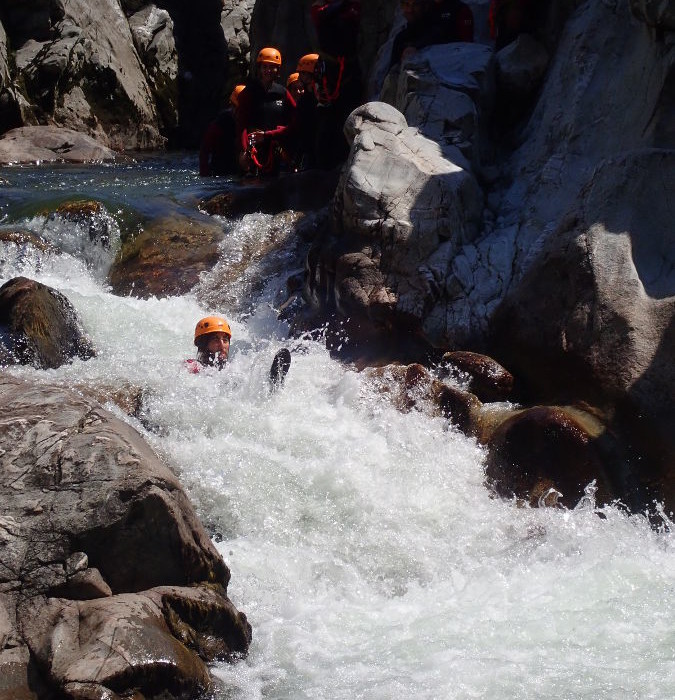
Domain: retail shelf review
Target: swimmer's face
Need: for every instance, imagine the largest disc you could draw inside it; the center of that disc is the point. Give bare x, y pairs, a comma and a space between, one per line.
218, 344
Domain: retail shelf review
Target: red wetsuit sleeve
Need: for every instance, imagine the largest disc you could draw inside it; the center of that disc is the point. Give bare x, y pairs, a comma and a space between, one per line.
464, 26
275, 133
243, 119
209, 143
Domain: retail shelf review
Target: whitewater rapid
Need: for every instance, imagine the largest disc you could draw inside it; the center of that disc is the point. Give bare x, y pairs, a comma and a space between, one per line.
364, 548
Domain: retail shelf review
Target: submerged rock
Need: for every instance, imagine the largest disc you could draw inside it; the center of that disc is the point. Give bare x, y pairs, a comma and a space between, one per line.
39, 326
28, 239
308, 190
167, 258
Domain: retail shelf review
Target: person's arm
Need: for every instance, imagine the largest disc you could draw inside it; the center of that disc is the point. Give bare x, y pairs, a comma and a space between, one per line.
243, 119
464, 26
209, 143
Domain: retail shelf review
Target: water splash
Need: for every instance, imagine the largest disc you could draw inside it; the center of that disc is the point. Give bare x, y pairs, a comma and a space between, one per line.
587, 501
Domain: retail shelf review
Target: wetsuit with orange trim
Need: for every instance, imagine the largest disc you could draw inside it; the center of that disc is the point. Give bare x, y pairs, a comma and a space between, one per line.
337, 75
217, 151
266, 111
443, 22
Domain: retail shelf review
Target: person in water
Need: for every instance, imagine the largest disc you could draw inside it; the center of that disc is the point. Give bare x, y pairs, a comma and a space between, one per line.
212, 338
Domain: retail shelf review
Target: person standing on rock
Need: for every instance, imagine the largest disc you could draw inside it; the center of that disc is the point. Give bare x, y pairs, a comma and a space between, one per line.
430, 22
337, 75
305, 114
262, 117
510, 18
217, 152
455, 20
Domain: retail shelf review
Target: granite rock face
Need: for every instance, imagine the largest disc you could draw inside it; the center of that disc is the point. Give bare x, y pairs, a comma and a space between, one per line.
403, 209
101, 551
131, 74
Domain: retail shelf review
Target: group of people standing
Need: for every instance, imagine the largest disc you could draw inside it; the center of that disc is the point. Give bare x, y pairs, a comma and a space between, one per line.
270, 128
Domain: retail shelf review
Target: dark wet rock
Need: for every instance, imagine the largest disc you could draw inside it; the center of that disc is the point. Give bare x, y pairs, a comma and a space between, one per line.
109, 585
267, 249
88, 214
305, 191
414, 387
166, 258
461, 408
39, 326
488, 380
83, 585
405, 385
550, 447
51, 144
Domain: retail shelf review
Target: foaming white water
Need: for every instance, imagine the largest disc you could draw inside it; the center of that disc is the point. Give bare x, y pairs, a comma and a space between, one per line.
370, 559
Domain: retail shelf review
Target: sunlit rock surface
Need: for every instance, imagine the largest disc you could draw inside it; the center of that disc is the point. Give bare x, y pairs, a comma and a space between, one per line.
402, 211
51, 144
86, 498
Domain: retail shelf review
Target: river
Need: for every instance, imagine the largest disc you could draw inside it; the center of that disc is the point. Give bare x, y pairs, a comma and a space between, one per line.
368, 555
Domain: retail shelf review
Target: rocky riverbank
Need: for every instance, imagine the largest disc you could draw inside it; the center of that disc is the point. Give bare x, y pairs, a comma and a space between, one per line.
109, 584
512, 203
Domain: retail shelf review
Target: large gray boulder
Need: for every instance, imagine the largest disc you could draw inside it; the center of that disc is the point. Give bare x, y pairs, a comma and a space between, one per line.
402, 209
89, 59
153, 33
598, 302
51, 144
108, 582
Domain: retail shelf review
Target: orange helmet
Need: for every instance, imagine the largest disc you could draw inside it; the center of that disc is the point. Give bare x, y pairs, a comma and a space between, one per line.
269, 55
292, 78
307, 62
212, 324
234, 97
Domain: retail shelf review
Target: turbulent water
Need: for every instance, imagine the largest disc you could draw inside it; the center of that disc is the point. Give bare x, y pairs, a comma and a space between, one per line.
364, 548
